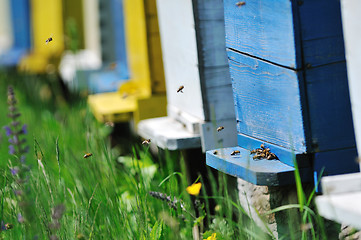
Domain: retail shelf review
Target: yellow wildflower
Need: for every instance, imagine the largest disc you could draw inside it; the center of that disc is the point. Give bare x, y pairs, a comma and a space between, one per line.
194, 189
212, 237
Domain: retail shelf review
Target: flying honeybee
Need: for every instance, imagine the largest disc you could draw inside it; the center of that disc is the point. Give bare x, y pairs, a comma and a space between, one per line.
235, 152
180, 89
112, 66
49, 40
88, 155
147, 141
238, 4
220, 128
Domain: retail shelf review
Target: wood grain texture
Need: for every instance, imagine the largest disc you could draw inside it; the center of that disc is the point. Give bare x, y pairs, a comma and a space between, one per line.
267, 100
260, 172
275, 30
329, 107
264, 29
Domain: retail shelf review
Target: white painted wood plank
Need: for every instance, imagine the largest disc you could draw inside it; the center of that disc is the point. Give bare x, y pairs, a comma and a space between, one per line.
179, 46
167, 133
6, 35
91, 26
351, 20
212, 139
343, 208
343, 183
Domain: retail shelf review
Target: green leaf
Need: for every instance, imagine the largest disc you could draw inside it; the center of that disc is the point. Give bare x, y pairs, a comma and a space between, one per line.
156, 232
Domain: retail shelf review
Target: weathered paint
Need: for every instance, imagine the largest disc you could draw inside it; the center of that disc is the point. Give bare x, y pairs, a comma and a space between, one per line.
289, 82
259, 172
276, 30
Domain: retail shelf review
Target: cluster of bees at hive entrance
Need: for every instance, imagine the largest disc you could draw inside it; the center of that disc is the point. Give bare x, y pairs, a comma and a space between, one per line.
263, 152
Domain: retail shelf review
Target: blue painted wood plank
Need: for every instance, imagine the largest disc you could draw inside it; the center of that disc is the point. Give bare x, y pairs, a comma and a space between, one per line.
218, 103
264, 29
259, 172
329, 107
321, 31
275, 31
20, 18
20, 12
119, 37
336, 162
113, 45
268, 101
209, 21
285, 155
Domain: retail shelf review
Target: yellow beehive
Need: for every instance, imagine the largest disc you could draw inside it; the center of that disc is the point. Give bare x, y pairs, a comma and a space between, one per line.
47, 21
143, 95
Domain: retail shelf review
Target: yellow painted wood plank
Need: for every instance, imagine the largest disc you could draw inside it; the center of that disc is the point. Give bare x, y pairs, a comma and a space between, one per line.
47, 21
155, 106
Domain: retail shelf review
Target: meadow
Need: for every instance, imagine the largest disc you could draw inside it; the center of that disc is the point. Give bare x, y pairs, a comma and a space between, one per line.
50, 190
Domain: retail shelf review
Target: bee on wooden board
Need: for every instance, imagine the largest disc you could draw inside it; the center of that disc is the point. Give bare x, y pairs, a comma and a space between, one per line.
235, 152
180, 89
88, 155
238, 4
147, 141
215, 152
220, 128
48, 40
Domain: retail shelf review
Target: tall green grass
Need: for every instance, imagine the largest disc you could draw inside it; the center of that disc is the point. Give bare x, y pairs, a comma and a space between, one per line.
106, 196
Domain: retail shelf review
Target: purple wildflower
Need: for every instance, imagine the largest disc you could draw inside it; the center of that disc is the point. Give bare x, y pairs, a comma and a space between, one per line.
24, 129
8, 131
3, 228
22, 159
11, 149
14, 170
20, 218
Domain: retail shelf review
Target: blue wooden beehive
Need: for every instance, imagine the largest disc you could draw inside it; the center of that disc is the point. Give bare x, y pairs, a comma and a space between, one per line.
20, 19
114, 54
290, 90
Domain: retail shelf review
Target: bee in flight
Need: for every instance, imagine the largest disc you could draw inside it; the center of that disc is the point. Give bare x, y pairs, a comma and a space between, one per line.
112, 66
49, 40
147, 141
88, 155
220, 128
180, 89
238, 4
